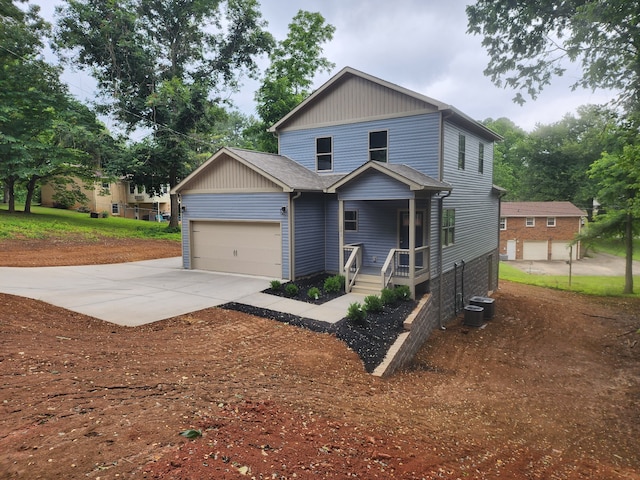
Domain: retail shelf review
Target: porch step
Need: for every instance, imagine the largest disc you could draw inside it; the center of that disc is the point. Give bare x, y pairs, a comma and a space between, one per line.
367, 285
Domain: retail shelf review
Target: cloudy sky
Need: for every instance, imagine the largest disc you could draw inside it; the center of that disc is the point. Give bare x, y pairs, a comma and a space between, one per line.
418, 44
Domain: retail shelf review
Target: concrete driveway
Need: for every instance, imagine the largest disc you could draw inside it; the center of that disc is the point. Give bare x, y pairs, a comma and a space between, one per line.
129, 293
137, 293
598, 264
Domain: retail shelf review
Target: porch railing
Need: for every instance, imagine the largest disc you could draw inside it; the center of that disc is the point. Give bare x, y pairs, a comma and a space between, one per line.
397, 264
353, 254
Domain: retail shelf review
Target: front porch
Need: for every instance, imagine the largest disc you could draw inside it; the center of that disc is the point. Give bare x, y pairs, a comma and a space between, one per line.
396, 270
384, 224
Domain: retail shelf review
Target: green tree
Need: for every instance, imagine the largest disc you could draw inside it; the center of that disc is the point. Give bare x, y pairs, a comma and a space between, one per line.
618, 175
531, 42
558, 156
163, 65
508, 158
294, 63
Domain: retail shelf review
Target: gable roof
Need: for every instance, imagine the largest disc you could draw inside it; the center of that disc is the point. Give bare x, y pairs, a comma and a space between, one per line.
280, 170
412, 178
421, 103
540, 209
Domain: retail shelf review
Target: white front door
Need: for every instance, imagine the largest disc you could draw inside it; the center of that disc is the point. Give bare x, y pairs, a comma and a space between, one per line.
511, 249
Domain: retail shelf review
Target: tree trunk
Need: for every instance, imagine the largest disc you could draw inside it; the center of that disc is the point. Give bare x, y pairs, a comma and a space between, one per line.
11, 195
31, 187
175, 206
628, 243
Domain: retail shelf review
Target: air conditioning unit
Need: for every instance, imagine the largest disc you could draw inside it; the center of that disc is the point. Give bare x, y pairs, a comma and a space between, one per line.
139, 198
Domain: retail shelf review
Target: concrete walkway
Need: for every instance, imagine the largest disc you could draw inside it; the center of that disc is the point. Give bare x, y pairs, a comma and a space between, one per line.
137, 293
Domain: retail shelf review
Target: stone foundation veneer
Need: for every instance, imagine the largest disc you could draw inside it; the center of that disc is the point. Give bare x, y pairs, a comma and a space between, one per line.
425, 317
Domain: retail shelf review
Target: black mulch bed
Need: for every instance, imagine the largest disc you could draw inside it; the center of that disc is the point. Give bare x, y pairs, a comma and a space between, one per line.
304, 284
370, 340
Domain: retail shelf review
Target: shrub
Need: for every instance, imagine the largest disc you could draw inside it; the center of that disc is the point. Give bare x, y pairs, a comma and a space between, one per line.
291, 290
355, 313
275, 285
388, 296
372, 303
313, 293
334, 284
403, 292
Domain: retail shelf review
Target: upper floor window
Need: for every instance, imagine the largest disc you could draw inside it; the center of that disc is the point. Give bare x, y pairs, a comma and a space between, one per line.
324, 154
351, 220
132, 188
530, 222
503, 223
448, 226
481, 158
462, 141
378, 143
551, 221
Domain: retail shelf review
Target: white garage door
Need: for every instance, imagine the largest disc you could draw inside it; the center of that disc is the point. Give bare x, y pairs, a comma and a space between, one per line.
535, 250
560, 250
252, 248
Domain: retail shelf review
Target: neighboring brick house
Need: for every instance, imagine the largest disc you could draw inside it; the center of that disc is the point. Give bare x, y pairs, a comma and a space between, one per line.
540, 230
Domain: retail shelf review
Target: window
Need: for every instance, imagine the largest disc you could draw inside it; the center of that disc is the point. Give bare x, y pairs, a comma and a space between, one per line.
324, 154
115, 209
530, 222
551, 221
448, 226
481, 158
350, 220
132, 188
461, 151
503, 223
378, 146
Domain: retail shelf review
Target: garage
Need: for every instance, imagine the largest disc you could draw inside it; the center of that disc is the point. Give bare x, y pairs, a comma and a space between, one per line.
560, 250
535, 250
251, 248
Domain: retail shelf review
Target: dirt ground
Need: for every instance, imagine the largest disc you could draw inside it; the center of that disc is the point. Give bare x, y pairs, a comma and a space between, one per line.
549, 389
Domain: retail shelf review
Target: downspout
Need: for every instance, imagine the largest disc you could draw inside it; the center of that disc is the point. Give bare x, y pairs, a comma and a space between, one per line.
292, 235
440, 262
444, 115
455, 288
462, 284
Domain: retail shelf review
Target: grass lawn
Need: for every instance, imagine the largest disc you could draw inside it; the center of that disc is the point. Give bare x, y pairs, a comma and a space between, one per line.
615, 246
602, 286
45, 223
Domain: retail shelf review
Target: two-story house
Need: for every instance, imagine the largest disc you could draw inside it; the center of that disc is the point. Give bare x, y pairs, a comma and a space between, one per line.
119, 198
374, 181
540, 230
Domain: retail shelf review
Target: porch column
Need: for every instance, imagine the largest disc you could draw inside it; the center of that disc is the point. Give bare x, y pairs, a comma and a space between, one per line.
412, 246
341, 235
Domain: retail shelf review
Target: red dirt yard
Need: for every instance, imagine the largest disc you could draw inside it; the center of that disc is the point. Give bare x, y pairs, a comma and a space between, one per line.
549, 389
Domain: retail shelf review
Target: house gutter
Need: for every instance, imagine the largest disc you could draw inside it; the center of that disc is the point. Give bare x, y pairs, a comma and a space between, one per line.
443, 117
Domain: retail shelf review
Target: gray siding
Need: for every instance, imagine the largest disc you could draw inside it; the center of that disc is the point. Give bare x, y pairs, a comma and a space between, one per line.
332, 249
476, 228
309, 235
256, 206
412, 140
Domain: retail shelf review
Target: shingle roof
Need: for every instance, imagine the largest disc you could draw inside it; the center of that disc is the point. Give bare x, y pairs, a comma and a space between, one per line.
414, 179
287, 171
415, 176
540, 209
